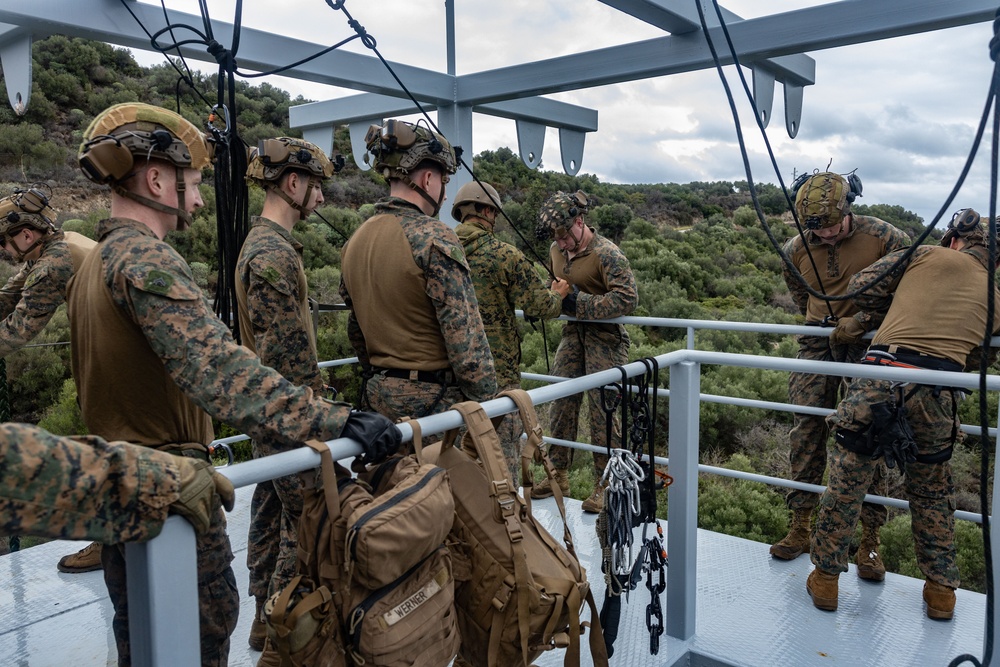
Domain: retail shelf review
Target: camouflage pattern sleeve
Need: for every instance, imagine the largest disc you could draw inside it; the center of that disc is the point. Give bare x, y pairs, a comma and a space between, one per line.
10, 294
449, 287
224, 379
527, 290
279, 331
91, 490
795, 287
354, 333
621, 297
44, 290
875, 300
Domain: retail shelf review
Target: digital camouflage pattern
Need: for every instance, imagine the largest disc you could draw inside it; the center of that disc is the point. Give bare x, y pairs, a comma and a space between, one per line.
505, 280
273, 319
560, 210
869, 240
150, 286
607, 290
928, 486
82, 488
30, 298
438, 253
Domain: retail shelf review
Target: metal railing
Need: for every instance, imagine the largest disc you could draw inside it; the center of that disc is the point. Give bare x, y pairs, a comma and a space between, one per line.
161, 617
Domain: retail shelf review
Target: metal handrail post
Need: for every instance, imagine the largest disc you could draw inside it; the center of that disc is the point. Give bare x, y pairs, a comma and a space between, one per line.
690, 338
682, 517
163, 597
994, 556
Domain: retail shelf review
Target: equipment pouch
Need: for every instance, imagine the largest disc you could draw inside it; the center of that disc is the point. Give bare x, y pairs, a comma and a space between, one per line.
892, 434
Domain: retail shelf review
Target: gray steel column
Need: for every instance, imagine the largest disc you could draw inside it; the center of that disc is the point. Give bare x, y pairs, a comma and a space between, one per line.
163, 598
455, 121
995, 546
682, 517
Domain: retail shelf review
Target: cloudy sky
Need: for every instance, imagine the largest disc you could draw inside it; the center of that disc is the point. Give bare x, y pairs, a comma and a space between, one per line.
902, 111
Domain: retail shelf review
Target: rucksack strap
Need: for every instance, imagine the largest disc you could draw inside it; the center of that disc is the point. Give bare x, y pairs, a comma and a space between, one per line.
284, 623
418, 439
329, 478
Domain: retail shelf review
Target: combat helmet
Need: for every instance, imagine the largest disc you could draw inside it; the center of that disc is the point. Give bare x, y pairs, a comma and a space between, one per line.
560, 210
25, 208
272, 158
126, 135
471, 194
969, 226
823, 199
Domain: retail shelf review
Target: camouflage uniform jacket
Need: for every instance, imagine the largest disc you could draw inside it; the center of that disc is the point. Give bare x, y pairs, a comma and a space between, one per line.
162, 314
602, 272
504, 280
274, 303
868, 240
82, 488
436, 259
31, 296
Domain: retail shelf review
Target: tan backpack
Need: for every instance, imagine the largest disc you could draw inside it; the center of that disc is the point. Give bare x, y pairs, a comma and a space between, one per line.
521, 591
376, 585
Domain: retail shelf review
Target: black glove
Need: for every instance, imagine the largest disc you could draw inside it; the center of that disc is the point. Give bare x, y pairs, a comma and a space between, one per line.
569, 302
379, 436
894, 438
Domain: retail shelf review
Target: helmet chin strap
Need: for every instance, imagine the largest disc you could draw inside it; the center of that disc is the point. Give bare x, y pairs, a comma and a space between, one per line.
16, 252
423, 193
298, 206
184, 219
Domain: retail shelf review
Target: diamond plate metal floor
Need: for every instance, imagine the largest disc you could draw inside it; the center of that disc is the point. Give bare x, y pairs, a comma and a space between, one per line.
752, 611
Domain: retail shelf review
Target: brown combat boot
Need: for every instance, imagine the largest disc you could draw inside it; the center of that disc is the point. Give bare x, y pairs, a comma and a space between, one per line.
544, 488
940, 601
87, 559
823, 589
595, 503
270, 657
258, 629
870, 566
796, 542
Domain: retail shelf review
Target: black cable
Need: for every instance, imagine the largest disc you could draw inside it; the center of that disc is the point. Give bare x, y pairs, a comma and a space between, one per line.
283, 68
332, 226
907, 254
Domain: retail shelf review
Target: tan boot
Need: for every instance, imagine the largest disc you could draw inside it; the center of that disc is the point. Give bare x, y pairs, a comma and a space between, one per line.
595, 503
796, 542
270, 657
544, 489
940, 601
87, 559
823, 589
869, 561
258, 629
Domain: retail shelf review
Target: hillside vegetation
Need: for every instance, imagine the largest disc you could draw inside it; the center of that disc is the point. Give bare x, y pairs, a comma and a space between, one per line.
697, 249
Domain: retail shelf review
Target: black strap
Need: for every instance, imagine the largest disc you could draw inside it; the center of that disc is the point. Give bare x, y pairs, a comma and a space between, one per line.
443, 376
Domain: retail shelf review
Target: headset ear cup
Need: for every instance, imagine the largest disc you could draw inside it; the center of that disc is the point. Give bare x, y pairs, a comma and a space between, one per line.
797, 183
106, 161
854, 183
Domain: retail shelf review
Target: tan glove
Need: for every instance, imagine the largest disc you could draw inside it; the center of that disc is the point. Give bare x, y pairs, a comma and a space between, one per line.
847, 332
199, 484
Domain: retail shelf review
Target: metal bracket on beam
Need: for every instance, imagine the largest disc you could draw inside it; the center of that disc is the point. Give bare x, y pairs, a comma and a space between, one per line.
321, 136
358, 131
571, 148
15, 58
763, 92
793, 108
530, 141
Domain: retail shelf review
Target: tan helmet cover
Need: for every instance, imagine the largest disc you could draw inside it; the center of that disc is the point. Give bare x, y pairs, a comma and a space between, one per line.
822, 201
27, 208
469, 195
273, 157
127, 132
396, 148
560, 210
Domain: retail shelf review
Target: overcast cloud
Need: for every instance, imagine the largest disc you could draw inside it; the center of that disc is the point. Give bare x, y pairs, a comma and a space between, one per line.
902, 111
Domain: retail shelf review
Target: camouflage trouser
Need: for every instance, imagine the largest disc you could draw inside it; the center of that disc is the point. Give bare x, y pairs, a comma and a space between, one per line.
810, 434
218, 599
274, 517
396, 398
509, 432
929, 486
586, 349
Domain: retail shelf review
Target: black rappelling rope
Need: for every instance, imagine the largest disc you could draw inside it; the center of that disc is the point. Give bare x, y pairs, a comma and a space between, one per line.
13, 541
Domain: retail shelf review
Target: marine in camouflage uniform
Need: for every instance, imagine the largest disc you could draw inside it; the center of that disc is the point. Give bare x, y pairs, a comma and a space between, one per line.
504, 280
87, 488
935, 315
151, 360
414, 320
275, 322
839, 244
604, 288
